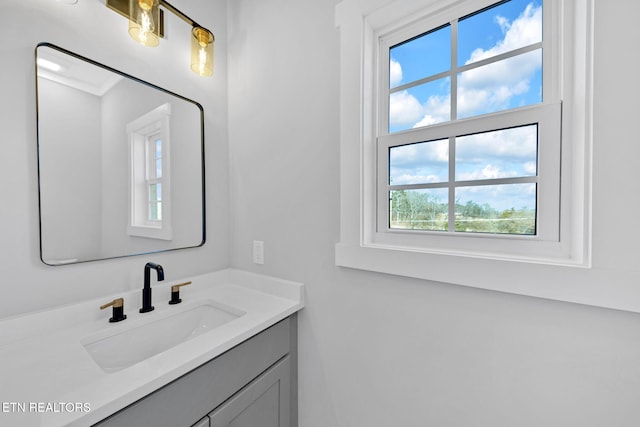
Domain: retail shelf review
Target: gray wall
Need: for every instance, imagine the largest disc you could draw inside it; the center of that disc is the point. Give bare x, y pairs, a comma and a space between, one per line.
68, 145
379, 350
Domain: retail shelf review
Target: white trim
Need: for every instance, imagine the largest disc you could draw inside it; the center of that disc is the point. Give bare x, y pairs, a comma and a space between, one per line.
360, 22
155, 121
547, 118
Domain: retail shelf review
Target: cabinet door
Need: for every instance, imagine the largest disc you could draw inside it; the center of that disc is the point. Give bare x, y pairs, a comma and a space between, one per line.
262, 403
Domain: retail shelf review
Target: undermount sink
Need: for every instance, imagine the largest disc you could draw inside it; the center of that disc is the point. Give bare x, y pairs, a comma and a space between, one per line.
114, 350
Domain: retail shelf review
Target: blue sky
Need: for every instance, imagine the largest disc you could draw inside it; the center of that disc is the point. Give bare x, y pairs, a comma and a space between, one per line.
509, 83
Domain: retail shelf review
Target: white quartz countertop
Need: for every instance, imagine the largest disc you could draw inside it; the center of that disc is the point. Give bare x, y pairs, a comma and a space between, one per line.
47, 377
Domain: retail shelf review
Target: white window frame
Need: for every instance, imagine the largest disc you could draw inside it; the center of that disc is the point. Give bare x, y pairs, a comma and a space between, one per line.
140, 131
478, 261
547, 238
151, 177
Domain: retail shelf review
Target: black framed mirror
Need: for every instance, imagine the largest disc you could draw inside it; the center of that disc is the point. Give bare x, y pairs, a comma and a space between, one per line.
120, 162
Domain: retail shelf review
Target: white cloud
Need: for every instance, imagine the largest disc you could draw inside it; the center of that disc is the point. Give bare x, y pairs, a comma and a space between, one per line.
503, 23
416, 179
488, 172
523, 31
426, 121
492, 86
498, 154
484, 89
419, 163
404, 109
420, 154
516, 144
530, 168
395, 73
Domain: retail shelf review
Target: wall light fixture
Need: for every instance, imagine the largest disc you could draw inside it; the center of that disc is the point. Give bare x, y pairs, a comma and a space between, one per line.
146, 26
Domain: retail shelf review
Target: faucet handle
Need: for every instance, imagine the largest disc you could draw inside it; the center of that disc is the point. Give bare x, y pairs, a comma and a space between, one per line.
175, 293
118, 310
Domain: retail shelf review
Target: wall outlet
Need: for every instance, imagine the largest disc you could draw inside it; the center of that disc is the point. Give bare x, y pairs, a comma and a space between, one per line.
258, 252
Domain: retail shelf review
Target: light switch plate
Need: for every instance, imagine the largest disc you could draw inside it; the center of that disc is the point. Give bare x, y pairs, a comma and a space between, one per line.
258, 252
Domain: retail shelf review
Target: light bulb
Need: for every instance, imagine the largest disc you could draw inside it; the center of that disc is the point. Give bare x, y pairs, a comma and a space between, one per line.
142, 25
145, 21
202, 51
202, 60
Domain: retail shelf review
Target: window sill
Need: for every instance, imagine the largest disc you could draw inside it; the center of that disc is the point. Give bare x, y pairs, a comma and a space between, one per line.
523, 275
150, 232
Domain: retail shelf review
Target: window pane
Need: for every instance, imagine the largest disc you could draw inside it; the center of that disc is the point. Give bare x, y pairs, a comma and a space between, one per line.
156, 158
155, 202
502, 209
421, 105
506, 27
155, 211
420, 57
425, 209
510, 83
155, 192
422, 163
504, 153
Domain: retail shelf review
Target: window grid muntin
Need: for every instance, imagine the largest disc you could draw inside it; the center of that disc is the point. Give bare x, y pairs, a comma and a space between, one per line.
385, 56
143, 132
452, 184
154, 179
547, 118
427, 78
484, 9
547, 111
431, 257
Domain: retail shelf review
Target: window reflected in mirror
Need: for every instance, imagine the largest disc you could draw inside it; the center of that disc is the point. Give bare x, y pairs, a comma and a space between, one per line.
120, 162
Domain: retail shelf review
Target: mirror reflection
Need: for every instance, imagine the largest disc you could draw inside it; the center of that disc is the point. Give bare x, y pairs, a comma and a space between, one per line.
120, 163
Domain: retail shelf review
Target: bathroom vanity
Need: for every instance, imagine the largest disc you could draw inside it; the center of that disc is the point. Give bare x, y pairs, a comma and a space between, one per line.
226, 354
251, 385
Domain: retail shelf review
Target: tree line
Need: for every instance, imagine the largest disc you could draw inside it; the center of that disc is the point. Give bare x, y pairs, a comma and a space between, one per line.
422, 211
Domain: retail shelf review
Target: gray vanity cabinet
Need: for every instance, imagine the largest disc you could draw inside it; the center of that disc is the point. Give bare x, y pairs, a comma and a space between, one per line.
263, 403
253, 384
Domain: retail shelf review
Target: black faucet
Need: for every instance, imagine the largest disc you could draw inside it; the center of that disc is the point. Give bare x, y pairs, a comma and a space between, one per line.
146, 291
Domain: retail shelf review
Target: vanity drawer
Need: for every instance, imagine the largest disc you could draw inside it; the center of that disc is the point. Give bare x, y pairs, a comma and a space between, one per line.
186, 400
